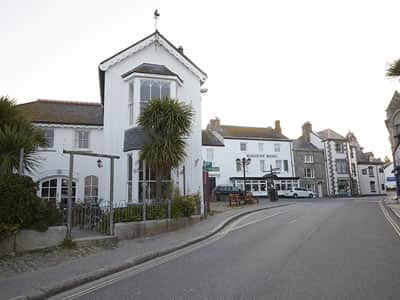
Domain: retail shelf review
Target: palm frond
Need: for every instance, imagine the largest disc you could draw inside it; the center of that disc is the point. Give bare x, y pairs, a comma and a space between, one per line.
394, 69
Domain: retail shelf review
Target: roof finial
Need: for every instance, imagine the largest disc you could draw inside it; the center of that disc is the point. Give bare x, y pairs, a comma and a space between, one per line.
156, 15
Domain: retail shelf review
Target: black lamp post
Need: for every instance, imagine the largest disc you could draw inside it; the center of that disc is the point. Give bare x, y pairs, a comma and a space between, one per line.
243, 162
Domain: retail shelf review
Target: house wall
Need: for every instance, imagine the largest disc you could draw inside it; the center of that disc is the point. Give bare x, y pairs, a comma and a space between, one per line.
225, 158
318, 165
390, 178
378, 178
55, 164
116, 117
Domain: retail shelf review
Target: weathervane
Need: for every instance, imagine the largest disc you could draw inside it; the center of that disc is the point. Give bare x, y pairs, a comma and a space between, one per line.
156, 15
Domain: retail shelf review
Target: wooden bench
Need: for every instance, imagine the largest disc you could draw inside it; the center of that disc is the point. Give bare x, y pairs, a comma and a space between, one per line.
249, 199
234, 199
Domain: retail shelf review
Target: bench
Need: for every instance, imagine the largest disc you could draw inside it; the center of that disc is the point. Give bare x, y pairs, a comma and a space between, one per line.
249, 199
234, 199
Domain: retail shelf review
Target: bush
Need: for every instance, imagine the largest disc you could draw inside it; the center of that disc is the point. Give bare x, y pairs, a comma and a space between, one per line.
184, 206
20, 207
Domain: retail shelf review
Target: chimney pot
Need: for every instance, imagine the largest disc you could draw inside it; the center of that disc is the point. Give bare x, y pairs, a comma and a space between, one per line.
180, 49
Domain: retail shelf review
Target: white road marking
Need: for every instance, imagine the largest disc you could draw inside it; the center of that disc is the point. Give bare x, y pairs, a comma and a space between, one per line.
233, 228
292, 221
390, 219
109, 280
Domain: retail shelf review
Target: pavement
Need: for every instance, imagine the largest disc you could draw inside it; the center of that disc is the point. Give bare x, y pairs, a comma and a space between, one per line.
66, 271
334, 249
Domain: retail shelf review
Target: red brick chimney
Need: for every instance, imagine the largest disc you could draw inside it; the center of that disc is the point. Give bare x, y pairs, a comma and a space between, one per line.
214, 124
278, 128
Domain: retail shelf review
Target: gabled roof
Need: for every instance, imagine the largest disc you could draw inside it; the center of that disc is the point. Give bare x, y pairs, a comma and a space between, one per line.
301, 144
242, 132
395, 102
209, 139
143, 43
63, 112
329, 134
147, 68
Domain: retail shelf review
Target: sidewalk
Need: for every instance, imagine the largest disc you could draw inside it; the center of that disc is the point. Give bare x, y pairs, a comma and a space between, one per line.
49, 277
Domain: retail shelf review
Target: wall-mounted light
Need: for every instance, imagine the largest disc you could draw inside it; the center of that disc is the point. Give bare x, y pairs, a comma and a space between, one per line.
99, 163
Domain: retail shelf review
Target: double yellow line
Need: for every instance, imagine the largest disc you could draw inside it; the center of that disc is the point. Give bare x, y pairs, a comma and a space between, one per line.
389, 218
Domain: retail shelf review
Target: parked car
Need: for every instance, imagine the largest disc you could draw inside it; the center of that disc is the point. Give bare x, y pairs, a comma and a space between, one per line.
224, 190
299, 193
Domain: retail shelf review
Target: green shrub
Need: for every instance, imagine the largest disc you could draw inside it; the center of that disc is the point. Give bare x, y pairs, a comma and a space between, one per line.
20, 207
184, 206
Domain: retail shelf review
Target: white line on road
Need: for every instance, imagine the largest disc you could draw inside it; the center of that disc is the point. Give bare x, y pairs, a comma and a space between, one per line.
389, 219
292, 221
255, 221
109, 280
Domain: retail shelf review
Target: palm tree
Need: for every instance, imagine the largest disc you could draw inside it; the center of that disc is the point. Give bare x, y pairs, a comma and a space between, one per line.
394, 69
167, 122
17, 132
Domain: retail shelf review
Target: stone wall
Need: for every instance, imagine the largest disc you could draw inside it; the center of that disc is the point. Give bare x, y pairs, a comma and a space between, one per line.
132, 230
29, 240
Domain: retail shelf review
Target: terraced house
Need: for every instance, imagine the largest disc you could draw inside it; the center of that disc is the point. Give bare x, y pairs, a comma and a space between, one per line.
151, 68
310, 163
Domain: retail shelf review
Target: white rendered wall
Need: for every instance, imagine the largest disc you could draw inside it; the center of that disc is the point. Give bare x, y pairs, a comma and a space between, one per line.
116, 115
225, 158
378, 178
53, 163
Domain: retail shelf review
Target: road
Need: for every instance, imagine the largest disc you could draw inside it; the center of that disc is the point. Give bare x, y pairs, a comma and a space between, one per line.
331, 249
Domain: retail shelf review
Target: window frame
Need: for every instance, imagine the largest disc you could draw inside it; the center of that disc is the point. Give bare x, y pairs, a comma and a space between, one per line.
144, 102
45, 131
243, 149
277, 147
78, 138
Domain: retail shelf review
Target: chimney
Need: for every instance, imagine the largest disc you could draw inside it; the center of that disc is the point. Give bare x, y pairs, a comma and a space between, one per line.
180, 49
214, 124
307, 129
278, 128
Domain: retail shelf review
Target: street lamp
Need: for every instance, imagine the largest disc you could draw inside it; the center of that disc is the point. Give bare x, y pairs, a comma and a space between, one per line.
243, 162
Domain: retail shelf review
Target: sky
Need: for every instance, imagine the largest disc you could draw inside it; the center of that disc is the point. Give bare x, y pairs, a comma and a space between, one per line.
295, 61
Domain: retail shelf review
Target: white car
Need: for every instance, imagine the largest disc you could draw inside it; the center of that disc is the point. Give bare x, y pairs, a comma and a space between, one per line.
299, 193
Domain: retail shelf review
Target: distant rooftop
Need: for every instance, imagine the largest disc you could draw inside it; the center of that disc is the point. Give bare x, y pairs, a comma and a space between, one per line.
63, 112
229, 131
329, 134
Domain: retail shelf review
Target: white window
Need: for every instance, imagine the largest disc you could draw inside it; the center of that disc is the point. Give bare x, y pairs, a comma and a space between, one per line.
49, 136
309, 172
130, 178
371, 171
82, 139
262, 165
372, 186
260, 147
286, 165
153, 89
238, 166
341, 166
91, 188
243, 146
308, 158
278, 164
339, 147
277, 147
130, 103
210, 154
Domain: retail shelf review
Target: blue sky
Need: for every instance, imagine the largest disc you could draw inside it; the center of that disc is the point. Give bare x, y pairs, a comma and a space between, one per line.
321, 61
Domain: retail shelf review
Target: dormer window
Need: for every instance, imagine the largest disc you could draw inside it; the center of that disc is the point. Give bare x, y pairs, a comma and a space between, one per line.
150, 89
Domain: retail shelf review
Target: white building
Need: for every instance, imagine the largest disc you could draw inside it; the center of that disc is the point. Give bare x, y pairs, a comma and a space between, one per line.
340, 162
390, 178
266, 147
371, 176
152, 67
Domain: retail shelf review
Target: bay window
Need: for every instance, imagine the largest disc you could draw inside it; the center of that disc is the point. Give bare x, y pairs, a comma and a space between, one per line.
152, 89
